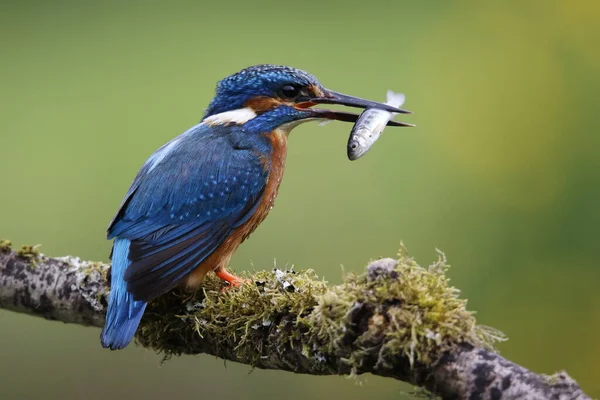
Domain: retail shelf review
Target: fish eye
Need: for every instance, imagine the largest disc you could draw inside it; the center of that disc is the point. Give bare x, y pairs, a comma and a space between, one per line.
290, 91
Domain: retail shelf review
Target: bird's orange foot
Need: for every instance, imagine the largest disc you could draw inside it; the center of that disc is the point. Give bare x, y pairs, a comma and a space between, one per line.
233, 280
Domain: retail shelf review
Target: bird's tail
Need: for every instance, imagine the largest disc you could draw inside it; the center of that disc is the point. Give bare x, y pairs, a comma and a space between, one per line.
124, 313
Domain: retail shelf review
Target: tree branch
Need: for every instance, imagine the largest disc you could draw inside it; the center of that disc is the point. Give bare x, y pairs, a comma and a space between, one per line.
397, 320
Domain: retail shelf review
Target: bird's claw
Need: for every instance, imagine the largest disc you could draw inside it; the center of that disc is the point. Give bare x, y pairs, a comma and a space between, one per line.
232, 280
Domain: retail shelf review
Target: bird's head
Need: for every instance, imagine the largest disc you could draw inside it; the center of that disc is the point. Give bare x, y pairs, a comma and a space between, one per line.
280, 95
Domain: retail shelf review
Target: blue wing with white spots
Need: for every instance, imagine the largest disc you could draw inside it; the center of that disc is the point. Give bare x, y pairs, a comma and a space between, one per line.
185, 201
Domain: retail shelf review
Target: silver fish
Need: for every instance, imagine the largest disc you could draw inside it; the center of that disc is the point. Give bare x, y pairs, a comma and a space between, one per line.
370, 125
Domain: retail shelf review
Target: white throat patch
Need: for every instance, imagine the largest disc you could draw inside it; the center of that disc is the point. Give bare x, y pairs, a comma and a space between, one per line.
239, 116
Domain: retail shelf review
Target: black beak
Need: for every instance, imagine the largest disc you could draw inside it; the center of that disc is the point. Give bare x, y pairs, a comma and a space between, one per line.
349, 117
332, 97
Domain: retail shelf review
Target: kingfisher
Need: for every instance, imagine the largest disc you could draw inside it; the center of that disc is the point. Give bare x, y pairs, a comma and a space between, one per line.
198, 197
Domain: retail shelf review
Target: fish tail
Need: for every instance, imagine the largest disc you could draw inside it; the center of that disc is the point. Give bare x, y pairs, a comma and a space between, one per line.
395, 99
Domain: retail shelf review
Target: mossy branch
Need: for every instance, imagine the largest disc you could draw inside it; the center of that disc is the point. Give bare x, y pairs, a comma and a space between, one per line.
396, 320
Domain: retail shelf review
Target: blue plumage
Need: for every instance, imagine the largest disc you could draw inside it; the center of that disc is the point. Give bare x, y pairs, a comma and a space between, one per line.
182, 206
200, 195
124, 313
179, 209
259, 80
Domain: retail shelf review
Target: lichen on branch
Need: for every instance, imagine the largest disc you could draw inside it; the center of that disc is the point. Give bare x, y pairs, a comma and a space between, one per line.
396, 311
397, 320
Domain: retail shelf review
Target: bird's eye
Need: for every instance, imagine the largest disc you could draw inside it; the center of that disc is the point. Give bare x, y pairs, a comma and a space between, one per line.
290, 91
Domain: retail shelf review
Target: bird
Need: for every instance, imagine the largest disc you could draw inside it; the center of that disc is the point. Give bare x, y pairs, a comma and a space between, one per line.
199, 196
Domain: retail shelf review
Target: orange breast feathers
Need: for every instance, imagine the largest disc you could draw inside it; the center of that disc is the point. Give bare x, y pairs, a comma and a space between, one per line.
219, 259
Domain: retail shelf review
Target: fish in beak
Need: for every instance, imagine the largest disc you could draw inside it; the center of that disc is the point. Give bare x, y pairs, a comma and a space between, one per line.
331, 97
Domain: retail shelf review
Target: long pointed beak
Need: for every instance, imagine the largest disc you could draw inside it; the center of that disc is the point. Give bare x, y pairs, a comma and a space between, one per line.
348, 117
332, 97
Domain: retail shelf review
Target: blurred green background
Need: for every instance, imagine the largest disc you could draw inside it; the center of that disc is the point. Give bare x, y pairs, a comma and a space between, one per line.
502, 172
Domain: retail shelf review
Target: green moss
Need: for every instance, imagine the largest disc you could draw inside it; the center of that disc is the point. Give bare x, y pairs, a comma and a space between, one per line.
552, 379
5, 246
418, 314
96, 271
240, 315
30, 253
404, 312
91, 268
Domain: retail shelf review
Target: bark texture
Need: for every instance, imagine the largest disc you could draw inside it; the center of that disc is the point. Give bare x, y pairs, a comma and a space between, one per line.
383, 322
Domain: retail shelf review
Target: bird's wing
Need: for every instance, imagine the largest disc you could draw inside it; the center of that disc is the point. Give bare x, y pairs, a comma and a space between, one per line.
187, 198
